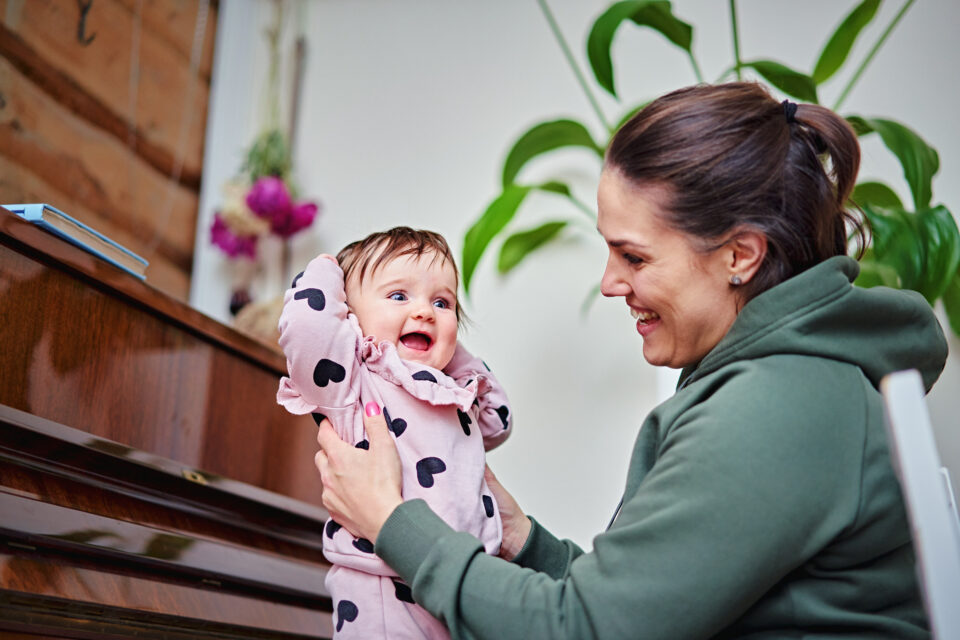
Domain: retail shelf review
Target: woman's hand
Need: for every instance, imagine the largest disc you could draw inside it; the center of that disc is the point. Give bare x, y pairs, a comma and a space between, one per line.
516, 525
361, 488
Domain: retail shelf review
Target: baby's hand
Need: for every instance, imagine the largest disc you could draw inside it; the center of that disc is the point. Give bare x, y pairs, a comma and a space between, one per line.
328, 257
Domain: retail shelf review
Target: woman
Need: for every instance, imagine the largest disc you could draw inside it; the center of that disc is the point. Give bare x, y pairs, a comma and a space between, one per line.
760, 500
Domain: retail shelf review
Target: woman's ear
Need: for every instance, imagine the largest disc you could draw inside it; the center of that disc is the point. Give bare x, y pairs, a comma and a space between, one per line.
747, 249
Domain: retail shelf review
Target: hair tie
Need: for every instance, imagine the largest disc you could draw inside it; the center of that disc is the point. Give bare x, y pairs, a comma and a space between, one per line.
790, 111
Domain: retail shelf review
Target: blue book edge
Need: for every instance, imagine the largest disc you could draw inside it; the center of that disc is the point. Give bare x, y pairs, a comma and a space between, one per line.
34, 213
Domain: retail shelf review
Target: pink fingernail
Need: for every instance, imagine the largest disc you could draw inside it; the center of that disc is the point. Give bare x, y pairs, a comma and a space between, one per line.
372, 408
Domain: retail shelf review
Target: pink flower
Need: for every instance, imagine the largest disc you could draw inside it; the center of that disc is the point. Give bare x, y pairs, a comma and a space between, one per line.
231, 244
296, 219
269, 198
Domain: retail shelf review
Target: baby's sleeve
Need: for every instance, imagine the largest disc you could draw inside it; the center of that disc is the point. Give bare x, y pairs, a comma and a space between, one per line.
319, 341
494, 415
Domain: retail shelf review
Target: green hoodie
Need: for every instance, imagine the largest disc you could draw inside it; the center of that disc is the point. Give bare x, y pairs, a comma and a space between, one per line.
760, 501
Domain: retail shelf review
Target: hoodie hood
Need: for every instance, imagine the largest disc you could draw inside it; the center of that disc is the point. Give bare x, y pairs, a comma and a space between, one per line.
821, 313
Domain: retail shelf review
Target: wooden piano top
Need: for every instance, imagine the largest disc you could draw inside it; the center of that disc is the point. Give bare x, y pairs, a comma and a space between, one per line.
149, 483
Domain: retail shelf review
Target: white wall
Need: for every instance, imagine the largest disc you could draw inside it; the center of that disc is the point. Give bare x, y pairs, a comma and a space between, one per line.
408, 111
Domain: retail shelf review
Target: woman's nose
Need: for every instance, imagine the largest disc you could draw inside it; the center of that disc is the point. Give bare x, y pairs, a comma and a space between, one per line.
613, 284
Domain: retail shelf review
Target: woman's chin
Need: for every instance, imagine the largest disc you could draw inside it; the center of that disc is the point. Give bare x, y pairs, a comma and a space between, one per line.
654, 356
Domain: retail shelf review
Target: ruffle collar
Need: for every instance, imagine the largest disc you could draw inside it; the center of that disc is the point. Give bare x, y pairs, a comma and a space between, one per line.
419, 380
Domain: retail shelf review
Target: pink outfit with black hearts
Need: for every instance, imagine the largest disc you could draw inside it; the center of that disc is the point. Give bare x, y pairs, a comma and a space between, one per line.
442, 422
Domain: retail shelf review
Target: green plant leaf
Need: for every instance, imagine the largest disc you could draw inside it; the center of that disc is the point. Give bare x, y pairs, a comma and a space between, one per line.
923, 248
655, 14
521, 244
487, 226
545, 137
941, 241
951, 303
874, 273
876, 194
860, 125
555, 187
791, 82
919, 160
837, 49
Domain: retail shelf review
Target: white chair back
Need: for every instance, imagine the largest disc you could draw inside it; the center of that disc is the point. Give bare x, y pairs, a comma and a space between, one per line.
929, 499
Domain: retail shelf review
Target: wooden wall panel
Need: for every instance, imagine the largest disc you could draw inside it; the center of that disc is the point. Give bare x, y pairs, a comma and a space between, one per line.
72, 127
18, 184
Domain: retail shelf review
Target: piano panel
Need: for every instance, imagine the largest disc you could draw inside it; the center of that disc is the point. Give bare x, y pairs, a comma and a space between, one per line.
88, 346
149, 484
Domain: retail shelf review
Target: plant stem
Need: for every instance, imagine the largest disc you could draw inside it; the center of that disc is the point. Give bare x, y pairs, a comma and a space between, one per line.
696, 68
573, 63
873, 52
736, 38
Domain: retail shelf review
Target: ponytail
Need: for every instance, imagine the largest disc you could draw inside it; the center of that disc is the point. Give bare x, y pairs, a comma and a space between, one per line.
732, 157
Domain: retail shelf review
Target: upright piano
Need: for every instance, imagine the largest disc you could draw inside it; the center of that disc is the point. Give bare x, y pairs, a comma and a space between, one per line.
150, 486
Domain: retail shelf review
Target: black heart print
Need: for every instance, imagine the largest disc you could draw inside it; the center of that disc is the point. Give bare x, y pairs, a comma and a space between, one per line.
398, 426
328, 371
296, 279
318, 418
464, 422
363, 444
314, 297
427, 468
424, 375
403, 592
503, 412
331, 528
346, 612
488, 506
363, 545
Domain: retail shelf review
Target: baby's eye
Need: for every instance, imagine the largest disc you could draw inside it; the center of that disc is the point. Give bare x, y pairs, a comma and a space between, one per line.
440, 303
632, 259
399, 296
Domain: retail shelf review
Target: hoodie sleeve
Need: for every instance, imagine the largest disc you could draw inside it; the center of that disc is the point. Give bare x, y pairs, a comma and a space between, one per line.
494, 415
319, 341
734, 504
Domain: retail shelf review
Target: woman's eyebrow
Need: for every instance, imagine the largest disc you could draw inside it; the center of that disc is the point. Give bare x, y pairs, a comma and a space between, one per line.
616, 244
619, 243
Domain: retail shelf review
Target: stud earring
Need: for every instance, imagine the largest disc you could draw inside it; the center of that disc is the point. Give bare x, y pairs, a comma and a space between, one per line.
735, 280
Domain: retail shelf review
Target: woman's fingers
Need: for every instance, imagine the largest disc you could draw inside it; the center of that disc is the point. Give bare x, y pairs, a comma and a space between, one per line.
375, 424
516, 525
328, 438
360, 487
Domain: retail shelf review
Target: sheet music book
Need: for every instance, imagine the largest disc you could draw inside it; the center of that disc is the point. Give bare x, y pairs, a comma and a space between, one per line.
74, 231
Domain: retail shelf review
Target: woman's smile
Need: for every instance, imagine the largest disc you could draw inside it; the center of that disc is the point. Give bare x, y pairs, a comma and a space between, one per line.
678, 295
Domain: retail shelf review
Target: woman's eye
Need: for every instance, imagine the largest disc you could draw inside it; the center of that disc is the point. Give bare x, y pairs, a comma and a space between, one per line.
632, 259
398, 296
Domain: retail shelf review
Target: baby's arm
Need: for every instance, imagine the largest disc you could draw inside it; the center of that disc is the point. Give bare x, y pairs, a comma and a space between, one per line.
319, 340
495, 416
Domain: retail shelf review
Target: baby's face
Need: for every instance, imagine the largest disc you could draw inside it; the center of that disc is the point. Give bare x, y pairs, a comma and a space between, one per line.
410, 301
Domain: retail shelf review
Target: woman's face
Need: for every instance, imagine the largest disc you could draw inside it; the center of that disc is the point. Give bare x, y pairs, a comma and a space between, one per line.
681, 298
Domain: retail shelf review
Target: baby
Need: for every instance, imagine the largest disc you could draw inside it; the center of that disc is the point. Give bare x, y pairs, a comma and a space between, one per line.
384, 329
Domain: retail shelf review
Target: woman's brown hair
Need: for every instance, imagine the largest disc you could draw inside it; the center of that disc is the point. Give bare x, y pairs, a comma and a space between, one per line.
732, 157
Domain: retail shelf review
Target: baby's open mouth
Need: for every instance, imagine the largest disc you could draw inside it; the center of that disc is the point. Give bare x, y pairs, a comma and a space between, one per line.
416, 341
